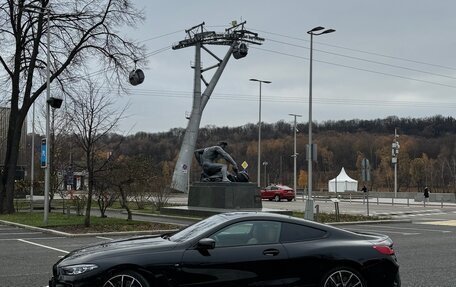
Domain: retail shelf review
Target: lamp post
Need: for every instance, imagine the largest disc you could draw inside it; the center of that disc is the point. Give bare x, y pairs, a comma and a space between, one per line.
309, 213
47, 172
32, 165
395, 151
295, 154
259, 131
265, 164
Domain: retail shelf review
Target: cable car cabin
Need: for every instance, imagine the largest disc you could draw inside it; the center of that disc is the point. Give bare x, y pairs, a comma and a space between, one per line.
136, 77
240, 51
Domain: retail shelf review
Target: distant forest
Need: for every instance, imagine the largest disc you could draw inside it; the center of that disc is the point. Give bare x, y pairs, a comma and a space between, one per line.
427, 155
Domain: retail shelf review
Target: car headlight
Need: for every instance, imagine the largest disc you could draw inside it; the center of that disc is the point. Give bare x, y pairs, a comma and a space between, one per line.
77, 269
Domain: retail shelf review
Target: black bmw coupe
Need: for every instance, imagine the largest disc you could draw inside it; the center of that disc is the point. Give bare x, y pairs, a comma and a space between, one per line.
236, 249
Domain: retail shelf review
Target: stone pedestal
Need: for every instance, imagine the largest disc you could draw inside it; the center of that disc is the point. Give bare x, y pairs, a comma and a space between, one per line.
225, 195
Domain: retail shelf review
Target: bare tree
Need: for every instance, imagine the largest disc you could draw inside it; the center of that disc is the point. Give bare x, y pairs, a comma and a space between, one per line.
93, 117
81, 32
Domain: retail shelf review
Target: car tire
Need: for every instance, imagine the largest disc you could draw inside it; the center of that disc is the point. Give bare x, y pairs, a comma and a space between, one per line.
343, 276
277, 198
126, 278
290, 199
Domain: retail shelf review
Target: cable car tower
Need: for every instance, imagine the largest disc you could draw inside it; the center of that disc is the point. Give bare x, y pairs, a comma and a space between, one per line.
237, 38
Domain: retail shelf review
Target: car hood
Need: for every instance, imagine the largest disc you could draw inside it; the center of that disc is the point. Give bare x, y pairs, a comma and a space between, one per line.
117, 248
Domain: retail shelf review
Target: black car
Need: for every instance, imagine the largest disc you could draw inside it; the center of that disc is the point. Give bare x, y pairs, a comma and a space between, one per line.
237, 249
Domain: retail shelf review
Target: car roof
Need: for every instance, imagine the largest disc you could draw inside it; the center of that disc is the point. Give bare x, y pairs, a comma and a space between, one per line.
280, 186
260, 215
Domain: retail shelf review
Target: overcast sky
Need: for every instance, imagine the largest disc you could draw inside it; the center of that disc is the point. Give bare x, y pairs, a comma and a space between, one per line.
386, 58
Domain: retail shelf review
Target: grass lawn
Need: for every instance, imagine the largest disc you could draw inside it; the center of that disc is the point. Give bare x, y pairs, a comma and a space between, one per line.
331, 217
75, 224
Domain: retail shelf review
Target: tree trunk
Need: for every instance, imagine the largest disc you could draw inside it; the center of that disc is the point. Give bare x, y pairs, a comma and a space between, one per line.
90, 188
125, 203
10, 164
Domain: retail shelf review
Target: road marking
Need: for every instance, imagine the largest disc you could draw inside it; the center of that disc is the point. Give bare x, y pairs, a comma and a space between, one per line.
443, 223
44, 246
410, 228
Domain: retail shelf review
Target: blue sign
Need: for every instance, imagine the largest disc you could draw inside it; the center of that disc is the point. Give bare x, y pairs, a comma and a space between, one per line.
43, 160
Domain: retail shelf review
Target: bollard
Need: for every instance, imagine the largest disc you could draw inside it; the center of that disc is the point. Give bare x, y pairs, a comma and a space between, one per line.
350, 198
392, 201
317, 211
408, 201
441, 203
336, 206
377, 199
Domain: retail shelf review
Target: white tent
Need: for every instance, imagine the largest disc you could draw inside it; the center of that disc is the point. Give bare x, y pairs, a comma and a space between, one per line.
342, 183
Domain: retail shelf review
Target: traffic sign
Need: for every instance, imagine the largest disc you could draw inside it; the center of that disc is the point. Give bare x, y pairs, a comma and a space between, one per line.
245, 165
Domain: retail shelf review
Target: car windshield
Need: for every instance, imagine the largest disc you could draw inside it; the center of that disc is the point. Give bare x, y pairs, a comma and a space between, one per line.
196, 229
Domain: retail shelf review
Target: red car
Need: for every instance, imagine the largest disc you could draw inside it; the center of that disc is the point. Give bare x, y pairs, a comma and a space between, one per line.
277, 192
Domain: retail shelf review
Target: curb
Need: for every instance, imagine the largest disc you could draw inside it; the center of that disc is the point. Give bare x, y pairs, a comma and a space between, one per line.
429, 211
65, 234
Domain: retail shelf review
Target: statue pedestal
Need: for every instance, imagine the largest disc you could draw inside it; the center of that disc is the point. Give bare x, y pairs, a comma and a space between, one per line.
209, 198
225, 195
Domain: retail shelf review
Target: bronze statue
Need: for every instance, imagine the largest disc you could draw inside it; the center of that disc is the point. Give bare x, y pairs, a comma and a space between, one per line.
214, 171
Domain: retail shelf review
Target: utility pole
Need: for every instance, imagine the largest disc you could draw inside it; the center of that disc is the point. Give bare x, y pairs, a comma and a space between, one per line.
394, 152
295, 154
237, 38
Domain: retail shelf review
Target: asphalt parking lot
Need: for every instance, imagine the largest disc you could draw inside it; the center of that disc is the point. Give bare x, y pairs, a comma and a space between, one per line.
27, 256
426, 252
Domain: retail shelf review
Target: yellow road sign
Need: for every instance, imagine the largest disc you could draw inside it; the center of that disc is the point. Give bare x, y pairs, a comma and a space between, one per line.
244, 165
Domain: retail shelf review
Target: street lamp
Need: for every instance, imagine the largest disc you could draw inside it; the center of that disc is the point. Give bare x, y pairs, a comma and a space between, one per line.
54, 102
295, 154
265, 164
309, 213
259, 131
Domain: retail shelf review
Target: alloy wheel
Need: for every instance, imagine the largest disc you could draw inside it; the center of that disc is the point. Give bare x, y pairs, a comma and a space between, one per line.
343, 278
123, 280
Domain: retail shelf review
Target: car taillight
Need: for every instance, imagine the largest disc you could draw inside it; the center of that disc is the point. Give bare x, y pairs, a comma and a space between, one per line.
384, 249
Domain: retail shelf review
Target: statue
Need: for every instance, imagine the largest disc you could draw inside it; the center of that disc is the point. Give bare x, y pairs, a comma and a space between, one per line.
214, 171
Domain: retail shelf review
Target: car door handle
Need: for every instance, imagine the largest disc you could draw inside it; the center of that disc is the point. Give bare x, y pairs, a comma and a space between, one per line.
271, 252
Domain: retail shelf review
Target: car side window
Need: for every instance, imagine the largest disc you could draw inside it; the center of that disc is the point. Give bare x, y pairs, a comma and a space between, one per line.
296, 232
265, 232
234, 235
248, 233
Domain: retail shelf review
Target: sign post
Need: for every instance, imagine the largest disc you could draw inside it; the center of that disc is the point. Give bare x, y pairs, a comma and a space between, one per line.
43, 157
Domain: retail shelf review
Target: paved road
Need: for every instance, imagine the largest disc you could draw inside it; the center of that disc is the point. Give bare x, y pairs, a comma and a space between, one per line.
426, 248
426, 252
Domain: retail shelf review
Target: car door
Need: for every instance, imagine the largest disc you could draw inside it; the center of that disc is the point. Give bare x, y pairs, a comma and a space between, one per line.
234, 262
307, 257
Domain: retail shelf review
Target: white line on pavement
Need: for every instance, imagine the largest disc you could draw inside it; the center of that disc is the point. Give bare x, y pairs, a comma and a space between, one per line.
44, 246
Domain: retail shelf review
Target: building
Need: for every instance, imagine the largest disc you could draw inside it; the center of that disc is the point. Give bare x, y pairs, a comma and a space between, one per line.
22, 160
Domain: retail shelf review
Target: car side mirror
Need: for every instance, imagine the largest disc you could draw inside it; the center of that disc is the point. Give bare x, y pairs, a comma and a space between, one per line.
206, 243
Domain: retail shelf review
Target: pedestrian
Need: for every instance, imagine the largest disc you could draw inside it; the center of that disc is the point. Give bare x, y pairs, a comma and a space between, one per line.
364, 189
426, 194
